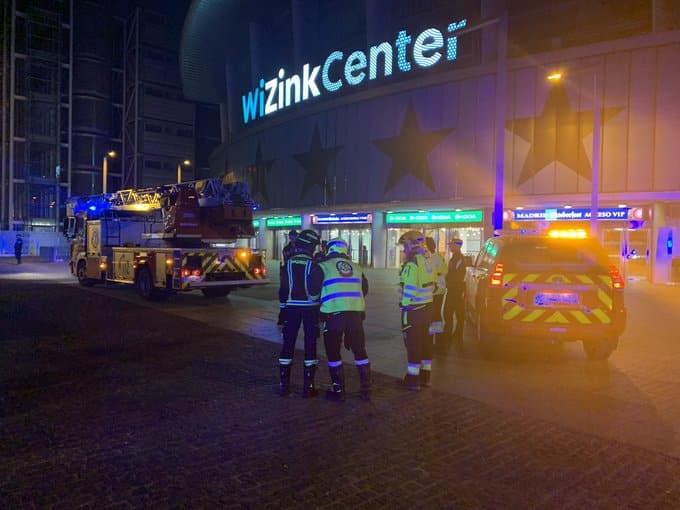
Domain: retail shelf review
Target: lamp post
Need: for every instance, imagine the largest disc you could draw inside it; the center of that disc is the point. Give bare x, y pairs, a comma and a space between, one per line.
186, 162
105, 169
597, 146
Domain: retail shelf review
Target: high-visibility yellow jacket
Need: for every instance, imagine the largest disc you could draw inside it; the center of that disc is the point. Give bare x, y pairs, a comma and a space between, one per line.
342, 289
439, 269
417, 281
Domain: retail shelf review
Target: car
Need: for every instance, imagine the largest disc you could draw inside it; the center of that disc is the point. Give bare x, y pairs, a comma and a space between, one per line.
557, 285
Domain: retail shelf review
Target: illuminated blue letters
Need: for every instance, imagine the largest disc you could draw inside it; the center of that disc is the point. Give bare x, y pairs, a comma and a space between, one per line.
281, 92
430, 39
403, 40
355, 62
386, 50
331, 86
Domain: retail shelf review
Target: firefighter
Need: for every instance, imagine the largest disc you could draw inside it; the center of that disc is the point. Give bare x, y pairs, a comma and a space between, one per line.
417, 285
454, 304
300, 307
18, 247
439, 271
287, 253
343, 309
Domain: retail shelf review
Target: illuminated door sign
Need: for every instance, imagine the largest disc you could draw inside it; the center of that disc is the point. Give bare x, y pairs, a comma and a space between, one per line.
328, 219
612, 213
256, 223
428, 49
284, 221
435, 217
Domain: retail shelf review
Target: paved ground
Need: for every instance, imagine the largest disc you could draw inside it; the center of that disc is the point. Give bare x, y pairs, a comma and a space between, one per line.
108, 404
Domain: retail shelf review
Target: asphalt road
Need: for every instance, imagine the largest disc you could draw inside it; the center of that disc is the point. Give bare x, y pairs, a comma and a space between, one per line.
109, 403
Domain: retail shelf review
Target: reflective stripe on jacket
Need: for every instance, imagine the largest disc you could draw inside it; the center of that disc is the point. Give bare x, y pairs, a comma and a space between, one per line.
342, 289
417, 281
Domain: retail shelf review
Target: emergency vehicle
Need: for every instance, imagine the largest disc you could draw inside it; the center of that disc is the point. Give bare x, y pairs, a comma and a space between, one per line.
173, 238
559, 285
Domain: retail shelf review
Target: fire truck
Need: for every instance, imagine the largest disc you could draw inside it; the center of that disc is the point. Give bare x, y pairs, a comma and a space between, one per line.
168, 239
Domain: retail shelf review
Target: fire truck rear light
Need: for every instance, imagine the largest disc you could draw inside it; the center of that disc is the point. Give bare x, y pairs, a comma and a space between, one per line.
102, 266
256, 270
264, 271
169, 262
496, 279
196, 272
186, 272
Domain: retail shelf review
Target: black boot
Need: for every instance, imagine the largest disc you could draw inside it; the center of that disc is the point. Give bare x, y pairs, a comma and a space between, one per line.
309, 390
424, 378
409, 382
365, 380
336, 392
284, 387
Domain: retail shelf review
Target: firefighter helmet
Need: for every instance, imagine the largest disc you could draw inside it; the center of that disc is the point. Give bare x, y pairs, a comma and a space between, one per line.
337, 245
411, 237
307, 240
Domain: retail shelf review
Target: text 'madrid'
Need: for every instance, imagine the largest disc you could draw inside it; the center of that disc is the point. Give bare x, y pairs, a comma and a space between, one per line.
281, 92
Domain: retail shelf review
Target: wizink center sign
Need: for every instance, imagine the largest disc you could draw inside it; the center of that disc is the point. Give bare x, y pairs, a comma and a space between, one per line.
428, 49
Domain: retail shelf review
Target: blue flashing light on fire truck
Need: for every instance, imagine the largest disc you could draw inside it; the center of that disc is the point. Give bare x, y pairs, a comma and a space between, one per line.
168, 239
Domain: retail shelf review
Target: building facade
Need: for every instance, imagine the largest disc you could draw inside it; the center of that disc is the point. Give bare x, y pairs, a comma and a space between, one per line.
84, 82
365, 118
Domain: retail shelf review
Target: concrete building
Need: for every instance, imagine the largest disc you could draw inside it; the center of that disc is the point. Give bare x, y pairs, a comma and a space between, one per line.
365, 118
84, 82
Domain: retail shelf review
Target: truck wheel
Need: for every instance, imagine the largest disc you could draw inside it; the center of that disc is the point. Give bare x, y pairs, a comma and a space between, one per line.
145, 286
599, 349
213, 292
81, 273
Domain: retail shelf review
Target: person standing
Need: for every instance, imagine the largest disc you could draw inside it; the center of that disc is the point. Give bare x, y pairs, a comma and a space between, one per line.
286, 254
417, 284
301, 307
439, 270
18, 248
343, 288
454, 305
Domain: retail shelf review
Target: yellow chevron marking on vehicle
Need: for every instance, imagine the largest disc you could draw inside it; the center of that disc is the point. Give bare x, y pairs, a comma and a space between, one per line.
606, 279
507, 278
510, 294
584, 278
230, 264
512, 313
531, 277
557, 317
560, 276
605, 298
533, 315
600, 314
213, 265
580, 316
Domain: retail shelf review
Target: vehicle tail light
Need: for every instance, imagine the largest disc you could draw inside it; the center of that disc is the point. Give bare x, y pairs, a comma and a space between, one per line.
256, 270
196, 272
617, 280
264, 271
496, 279
186, 272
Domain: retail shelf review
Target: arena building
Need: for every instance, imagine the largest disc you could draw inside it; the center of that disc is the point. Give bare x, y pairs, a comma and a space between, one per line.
366, 118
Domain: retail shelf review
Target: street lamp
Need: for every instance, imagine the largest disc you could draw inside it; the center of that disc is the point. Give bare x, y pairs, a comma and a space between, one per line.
556, 76
186, 162
105, 169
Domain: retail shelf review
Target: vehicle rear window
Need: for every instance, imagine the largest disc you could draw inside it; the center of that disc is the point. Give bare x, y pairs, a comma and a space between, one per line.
586, 254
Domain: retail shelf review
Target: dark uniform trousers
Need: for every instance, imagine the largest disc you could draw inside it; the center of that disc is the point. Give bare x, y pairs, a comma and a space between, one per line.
294, 316
348, 325
454, 306
415, 324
